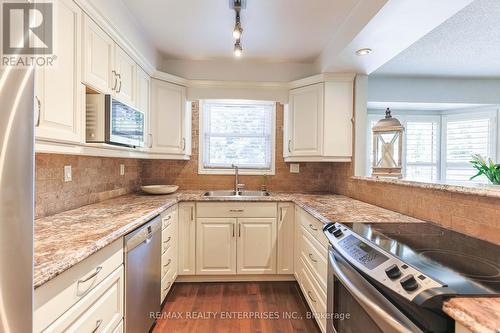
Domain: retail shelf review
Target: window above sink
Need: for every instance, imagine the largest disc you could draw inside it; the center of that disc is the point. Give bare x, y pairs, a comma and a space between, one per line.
239, 132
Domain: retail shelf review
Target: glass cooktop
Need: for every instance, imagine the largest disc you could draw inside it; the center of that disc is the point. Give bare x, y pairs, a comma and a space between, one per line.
468, 265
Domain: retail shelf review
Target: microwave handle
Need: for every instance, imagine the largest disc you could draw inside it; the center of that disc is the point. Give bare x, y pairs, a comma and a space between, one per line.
381, 310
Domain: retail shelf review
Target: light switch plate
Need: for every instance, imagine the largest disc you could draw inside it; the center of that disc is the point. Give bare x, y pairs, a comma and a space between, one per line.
67, 173
122, 169
294, 168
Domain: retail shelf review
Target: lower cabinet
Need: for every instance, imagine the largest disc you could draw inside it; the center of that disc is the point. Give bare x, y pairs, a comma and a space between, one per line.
236, 238
256, 247
311, 263
216, 246
169, 250
86, 298
187, 238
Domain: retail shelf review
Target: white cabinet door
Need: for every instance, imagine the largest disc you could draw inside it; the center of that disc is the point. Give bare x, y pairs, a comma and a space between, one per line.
286, 234
187, 238
126, 71
143, 89
168, 118
256, 246
58, 89
306, 121
97, 58
216, 246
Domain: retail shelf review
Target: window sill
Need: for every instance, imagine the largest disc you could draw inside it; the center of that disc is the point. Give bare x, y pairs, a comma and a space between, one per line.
479, 189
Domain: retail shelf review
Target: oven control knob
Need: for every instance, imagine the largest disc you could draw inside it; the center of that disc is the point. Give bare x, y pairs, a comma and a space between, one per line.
393, 271
337, 233
409, 283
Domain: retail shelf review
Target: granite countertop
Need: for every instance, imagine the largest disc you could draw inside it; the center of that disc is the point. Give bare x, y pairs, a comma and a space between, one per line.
65, 239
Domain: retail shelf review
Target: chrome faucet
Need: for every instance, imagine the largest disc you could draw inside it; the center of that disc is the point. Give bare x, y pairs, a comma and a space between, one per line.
237, 186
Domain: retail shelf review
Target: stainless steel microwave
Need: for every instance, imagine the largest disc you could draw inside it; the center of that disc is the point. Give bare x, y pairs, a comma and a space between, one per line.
110, 121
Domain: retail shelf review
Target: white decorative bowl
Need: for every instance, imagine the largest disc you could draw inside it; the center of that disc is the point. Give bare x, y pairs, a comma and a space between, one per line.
159, 189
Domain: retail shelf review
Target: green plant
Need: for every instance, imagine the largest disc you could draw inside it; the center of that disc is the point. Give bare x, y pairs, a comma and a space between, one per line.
487, 168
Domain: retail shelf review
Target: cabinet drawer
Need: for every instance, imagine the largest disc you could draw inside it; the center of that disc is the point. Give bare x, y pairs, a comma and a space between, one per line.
237, 209
315, 256
314, 296
168, 238
101, 310
169, 217
58, 295
314, 227
168, 261
166, 283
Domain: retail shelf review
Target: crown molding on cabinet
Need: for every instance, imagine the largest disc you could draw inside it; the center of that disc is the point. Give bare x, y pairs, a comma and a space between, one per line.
323, 77
121, 40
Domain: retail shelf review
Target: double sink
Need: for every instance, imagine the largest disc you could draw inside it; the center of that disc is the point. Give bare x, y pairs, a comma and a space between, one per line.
236, 194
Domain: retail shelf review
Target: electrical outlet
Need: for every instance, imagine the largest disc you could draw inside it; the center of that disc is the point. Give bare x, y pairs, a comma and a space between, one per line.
122, 169
67, 173
294, 168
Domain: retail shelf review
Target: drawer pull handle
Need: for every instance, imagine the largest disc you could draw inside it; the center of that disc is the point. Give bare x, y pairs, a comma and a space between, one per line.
97, 325
168, 239
313, 227
167, 218
168, 286
168, 263
93, 275
310, 297
236, 210
312, 259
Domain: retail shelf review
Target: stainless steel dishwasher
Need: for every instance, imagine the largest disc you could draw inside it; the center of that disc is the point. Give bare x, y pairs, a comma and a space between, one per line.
142, 276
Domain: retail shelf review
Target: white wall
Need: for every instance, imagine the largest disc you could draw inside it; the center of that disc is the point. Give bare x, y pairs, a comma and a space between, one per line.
119, 16
237, 70
433, 90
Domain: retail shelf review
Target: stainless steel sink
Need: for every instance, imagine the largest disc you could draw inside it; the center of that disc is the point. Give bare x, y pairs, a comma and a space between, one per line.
233, 194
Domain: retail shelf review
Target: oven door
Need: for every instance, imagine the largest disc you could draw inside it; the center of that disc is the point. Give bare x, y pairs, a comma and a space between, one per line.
354, 305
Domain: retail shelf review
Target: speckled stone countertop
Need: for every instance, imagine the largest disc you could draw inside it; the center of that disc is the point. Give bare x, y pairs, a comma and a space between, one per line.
477, 189
65, 239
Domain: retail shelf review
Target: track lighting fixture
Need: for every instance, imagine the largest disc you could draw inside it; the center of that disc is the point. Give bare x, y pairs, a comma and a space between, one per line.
237, 6
237, 48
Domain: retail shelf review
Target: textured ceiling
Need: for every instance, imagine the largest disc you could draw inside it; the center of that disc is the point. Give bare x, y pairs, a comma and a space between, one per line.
466, 45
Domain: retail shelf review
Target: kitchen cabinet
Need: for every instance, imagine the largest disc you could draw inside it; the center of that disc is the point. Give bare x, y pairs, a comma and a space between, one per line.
169, 122
143, 96
169, 250
256, 246
187, 238
318, 122
285, 238
216, 246
85, 294
236, 238
58, 90
98, 57
125, 76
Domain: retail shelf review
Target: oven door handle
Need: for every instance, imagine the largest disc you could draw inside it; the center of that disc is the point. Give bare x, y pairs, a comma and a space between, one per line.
381, 310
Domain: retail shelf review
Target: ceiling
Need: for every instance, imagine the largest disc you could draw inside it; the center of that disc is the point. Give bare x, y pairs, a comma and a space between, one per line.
466, 45
275, 31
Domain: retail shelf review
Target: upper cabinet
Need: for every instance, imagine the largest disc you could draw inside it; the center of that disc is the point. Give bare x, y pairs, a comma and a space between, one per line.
143, 97
125, 76
170, 119
58, 91
98, 56
106, 67
318, 121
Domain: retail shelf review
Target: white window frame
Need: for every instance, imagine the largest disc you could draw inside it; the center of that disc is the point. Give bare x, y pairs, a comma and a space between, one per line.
471, 114
228, 171
492, 112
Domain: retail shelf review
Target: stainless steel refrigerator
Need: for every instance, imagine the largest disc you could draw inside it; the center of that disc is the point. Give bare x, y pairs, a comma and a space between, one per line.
16, 200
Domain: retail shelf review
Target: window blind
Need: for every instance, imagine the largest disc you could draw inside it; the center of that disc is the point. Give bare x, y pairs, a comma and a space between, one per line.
421, 148
237, 133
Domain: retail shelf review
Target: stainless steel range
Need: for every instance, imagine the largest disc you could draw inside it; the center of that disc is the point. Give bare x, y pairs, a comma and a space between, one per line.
394, 277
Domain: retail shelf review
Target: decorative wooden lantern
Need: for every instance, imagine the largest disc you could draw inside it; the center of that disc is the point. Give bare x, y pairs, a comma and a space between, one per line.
387, 147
